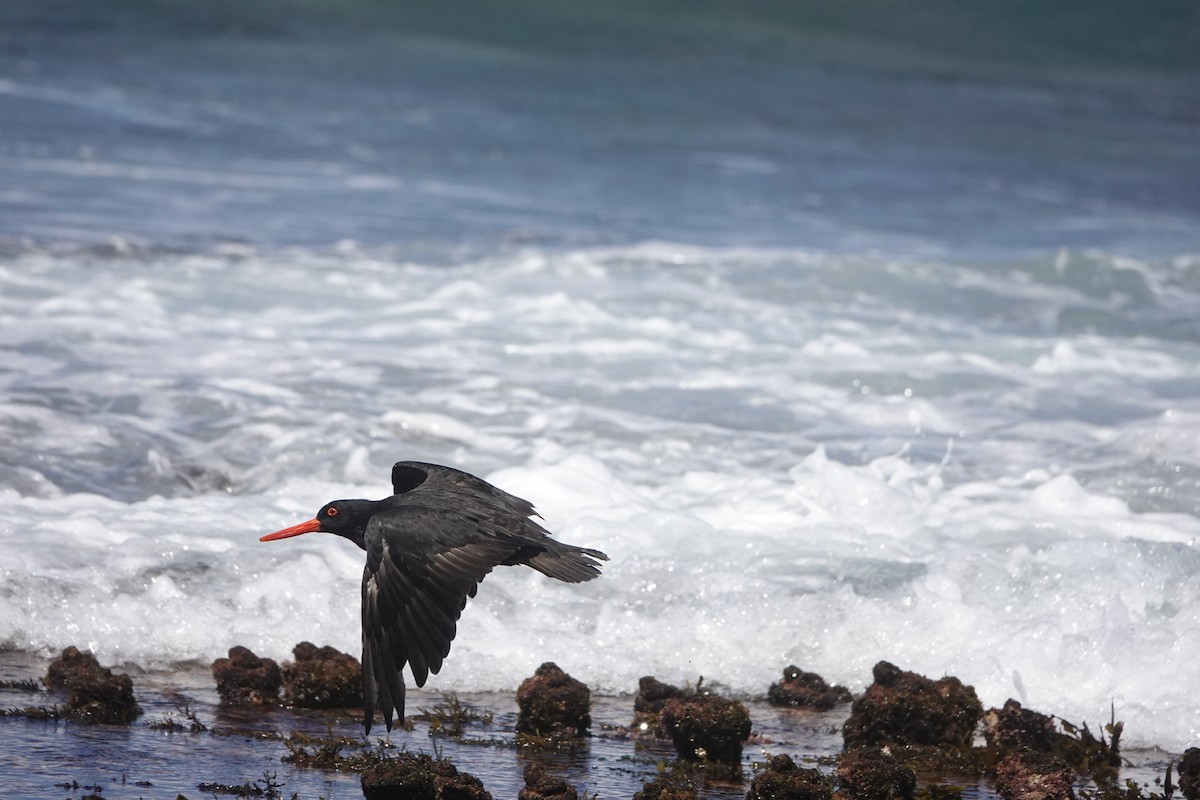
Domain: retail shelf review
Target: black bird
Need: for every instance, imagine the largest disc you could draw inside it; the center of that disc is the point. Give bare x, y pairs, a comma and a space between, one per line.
428, 547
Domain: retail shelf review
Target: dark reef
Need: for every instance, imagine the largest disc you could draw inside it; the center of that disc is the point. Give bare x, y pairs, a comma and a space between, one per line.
409, 776
668, 786
707, 727
322, 677
1189, 773
907, 737
541, 785
245, 679
800, 689
701, 725
94, 693
783, 780
868, 773
553, 706
904, 708
1031, 775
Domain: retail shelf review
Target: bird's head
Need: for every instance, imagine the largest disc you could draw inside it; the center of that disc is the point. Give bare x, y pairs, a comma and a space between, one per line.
346, 518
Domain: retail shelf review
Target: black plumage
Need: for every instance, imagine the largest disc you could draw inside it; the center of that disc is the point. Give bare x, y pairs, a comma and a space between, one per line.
428, 546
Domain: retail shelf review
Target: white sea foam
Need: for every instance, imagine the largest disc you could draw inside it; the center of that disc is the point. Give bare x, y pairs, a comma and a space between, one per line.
790, 458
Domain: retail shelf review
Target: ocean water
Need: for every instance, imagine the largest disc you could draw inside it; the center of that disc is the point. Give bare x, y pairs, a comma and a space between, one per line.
841, 356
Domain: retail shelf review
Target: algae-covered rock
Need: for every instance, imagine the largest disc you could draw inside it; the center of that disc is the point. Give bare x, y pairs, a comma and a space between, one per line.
653, 694
784, 780
245, 679
905, 708
1188, 767
706, 727
868, 773
321, 677
1030, 775
668, 786
553, 705
1015, 728
410, 776
541, 785
800, 689
94, 694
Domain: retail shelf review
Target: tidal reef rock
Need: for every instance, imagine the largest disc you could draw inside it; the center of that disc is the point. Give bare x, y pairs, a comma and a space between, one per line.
321, 677
1016, 728
783, 780
1189, 773
245, 679
71, 664
1034, 776
652, 695
904, 708
801, 689
706, 727
540, 785
673, 785
94, 694
552, 705
410, 776
868, 773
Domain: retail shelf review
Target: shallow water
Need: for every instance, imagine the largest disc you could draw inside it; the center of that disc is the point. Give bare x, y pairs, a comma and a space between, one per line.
844, 347
242, 747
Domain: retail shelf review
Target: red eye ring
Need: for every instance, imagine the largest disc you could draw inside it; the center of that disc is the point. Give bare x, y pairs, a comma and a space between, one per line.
331, 512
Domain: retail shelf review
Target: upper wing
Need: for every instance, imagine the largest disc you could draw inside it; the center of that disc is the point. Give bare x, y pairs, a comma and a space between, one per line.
433, 483
422, 565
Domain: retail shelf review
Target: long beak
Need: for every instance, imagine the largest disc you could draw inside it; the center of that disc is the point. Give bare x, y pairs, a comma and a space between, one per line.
295, 530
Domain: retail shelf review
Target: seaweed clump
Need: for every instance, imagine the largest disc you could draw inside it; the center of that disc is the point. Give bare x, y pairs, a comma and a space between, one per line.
450, 718
904, 708
1015, 732
540, 785
321, 677
553, 706
94, 694
800, 689
420, 777
326, 753
245, 679
782, 779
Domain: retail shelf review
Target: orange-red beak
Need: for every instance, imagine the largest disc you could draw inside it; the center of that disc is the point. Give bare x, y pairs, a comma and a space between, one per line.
295, 530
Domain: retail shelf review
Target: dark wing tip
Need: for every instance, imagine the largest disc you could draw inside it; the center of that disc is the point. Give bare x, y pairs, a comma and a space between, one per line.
569, 563
406, 477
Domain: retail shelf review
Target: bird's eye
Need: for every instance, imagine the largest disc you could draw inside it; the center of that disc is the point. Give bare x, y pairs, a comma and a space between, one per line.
331, 512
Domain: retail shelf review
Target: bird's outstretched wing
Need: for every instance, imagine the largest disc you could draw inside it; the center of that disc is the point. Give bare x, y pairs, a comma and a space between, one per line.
454, 487
505, 515
426, 554
422, 565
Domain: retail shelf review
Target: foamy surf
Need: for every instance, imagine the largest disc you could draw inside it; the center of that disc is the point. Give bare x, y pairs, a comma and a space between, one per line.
780, 476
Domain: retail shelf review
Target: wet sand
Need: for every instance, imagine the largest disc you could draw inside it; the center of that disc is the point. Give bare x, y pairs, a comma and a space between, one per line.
244, 746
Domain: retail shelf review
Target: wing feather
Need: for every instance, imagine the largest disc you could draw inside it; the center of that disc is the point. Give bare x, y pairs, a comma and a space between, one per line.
421, 568
439, 536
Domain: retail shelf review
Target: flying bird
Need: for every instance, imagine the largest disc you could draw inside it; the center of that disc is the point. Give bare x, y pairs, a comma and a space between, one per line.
428, 547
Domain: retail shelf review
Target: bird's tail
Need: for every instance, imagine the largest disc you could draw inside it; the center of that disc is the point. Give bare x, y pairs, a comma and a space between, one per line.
569, 563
